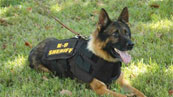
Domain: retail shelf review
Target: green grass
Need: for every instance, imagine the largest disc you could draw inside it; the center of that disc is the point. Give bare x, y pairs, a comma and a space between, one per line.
151, 69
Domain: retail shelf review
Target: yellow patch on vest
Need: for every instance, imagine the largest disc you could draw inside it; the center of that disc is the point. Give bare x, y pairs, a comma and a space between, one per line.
60, 45
61, 48
59, 51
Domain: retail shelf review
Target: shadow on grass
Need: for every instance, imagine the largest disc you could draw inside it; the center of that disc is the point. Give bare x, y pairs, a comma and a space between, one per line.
6, 3
153, 74
153, 40
154, 81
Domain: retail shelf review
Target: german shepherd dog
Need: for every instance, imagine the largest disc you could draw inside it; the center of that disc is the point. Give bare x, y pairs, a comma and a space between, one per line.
110, 41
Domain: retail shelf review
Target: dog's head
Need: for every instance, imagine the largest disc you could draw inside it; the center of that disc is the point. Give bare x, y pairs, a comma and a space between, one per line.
112, 39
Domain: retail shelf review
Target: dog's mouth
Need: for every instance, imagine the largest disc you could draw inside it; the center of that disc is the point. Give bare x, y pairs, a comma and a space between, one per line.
122, 55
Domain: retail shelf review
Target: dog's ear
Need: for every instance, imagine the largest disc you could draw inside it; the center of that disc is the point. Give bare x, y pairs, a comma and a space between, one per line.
124, 16
104, 19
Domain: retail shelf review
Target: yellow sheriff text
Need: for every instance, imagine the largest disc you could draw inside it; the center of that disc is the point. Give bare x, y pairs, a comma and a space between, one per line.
59, 51
60, 45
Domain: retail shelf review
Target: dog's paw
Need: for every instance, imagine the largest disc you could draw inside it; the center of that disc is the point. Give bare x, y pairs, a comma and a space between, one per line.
135, 95
66, 92
130, 95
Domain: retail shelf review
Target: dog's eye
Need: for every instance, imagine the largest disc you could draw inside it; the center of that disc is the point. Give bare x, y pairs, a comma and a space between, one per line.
126, 33
116, 33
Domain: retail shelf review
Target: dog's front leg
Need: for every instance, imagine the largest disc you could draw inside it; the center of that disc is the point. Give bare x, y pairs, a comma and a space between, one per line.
124, 84
101, 89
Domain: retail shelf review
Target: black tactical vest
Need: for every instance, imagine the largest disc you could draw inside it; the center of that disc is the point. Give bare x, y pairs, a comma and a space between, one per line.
71, 58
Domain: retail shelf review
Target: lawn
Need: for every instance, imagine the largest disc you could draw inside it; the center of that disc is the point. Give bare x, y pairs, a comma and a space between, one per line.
24, 21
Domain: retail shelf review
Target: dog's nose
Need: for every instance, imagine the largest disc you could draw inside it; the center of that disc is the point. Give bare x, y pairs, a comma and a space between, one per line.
130, 45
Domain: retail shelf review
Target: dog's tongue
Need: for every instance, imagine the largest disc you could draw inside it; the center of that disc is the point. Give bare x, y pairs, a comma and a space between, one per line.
126, 58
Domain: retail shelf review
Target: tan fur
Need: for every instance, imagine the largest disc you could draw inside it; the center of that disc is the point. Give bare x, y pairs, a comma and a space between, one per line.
96, 46
101, 89
124, 84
